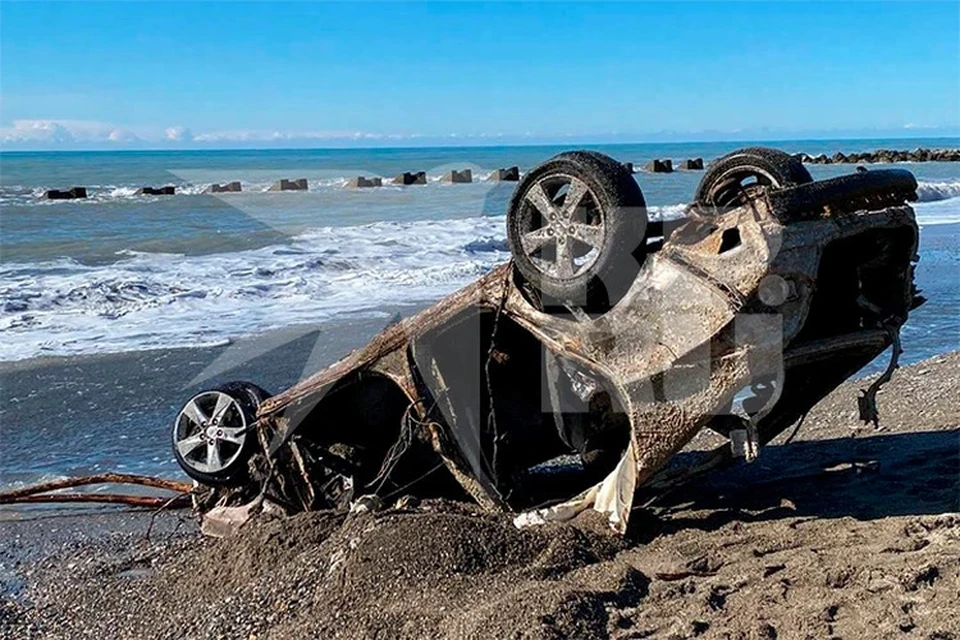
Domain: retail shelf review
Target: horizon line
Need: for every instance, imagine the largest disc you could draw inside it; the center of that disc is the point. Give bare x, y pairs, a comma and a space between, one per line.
478, 145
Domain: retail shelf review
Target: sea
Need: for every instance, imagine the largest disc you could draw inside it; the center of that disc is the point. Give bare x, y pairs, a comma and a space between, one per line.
120, 273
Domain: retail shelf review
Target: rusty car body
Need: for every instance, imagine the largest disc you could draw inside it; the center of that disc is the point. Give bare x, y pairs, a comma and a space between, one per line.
739, 318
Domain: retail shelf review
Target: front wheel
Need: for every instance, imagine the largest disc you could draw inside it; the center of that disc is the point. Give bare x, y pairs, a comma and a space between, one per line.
213, 434
576, 226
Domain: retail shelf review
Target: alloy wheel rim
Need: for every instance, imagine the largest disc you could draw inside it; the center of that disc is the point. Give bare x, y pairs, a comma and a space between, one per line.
563, 226
210, 431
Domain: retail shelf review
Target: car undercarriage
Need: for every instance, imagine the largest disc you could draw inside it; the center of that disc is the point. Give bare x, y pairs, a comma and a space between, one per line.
568, 378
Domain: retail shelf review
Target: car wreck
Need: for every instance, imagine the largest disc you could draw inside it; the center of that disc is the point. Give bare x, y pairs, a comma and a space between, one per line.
568, 378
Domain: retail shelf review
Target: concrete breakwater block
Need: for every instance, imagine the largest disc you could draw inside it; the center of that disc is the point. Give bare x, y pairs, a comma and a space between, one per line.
629, 167
230, 187
300, 184
457, 177
510, 174
156, 191
361, 182
407, 177
659, 166
696, 164
68, 194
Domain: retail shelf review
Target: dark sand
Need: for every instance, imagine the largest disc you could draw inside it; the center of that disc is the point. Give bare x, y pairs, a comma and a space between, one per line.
845, 532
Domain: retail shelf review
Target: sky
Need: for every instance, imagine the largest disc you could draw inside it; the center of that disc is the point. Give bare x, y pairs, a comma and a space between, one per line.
204, 74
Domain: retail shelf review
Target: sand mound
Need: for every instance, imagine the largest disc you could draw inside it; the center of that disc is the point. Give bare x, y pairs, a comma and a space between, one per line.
444, 569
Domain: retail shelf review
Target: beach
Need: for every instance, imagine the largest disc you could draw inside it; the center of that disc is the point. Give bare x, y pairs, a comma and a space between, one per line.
846, 531
468, 320
118, 309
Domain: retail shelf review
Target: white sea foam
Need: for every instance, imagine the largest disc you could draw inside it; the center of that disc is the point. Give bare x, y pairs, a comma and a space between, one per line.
934, 191
938, 212
669, 212
151, 300
122, 192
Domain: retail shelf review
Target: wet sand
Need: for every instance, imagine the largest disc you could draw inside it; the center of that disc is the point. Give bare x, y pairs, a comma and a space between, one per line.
66, 416
844, 532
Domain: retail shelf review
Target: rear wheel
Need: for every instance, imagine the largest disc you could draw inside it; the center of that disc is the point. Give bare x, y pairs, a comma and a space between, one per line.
575, 226
213, 434
730, 180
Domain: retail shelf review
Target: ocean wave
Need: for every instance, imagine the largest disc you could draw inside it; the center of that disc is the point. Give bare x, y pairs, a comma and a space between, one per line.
667, 212
938, 212
935, 191
145, 299
150, 300
65, 307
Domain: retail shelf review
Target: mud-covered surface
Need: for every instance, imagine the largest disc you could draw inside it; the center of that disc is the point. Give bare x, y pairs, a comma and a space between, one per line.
845, 532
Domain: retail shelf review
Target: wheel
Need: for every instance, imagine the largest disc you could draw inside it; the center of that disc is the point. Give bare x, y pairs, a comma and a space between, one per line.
212, 440
730, 179
576, 226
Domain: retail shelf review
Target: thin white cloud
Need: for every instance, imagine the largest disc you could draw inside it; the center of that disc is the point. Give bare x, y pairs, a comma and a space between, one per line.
177, 134
58, 132
82, 134
66, 133
121, 135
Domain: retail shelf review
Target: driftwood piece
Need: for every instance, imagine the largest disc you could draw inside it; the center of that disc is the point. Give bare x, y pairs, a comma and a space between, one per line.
9, 497
153, 502
40, 493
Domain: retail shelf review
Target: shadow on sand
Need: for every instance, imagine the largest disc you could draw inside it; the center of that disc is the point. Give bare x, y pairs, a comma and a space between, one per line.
864, 478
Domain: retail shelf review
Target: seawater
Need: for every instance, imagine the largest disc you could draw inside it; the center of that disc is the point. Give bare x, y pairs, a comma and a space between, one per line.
119, 272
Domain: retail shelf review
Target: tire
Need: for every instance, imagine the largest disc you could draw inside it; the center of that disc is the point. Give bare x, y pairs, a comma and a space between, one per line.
872, 190
729, 179
587, 256
230, 435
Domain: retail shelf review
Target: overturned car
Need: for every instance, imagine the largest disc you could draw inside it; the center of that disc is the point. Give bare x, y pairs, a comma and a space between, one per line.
568, 378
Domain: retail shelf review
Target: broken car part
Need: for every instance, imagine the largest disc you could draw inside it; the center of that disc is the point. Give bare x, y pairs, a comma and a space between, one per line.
569, 377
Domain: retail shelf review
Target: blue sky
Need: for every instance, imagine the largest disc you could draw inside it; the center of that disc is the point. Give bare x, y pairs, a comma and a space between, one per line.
255, 74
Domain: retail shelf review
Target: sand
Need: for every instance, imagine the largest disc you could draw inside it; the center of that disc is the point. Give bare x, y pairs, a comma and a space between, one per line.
845, 532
